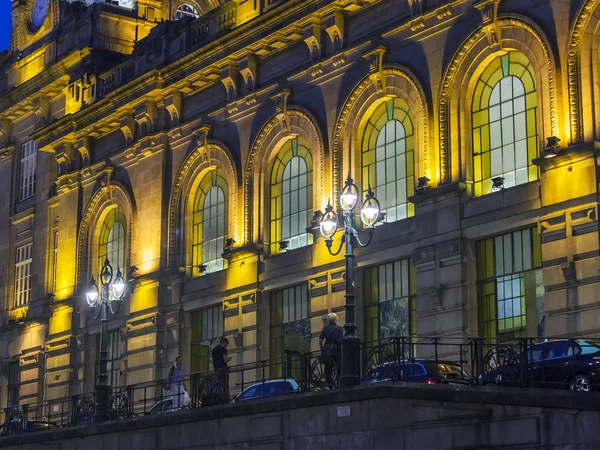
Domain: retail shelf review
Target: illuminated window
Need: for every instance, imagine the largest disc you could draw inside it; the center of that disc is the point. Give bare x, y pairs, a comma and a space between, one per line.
505, 137
112, 242
27, 170
186, 10
209, 223
207, 331
389, 290
290, 329
388, 159
23, 275
510, 284
291, 196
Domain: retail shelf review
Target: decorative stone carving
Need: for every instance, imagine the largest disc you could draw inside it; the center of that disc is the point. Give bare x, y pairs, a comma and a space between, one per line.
84, 146
334, 27
281, 109
248, 71
313, 40
64, 154
415, 9
489, 22
229, 80
375, 58
41, 109
127, 127
201, 134
173, 107
575, 42
5, 132
145, 115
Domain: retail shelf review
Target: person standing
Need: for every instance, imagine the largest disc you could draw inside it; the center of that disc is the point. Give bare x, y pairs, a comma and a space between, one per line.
175, 383
330, 342
221, 366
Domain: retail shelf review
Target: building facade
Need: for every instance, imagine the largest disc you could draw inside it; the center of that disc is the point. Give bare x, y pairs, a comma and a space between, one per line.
193, 144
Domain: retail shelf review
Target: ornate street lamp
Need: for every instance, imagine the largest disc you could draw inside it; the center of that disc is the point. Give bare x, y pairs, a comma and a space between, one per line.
369, 214
101, 303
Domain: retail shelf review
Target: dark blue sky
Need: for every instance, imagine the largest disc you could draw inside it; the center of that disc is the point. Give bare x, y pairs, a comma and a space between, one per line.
5, 24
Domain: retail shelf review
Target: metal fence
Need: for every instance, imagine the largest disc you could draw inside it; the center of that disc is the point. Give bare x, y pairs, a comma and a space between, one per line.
524, 362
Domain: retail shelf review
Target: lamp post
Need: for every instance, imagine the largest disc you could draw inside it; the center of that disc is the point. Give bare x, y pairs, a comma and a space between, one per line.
369, 214
102, 302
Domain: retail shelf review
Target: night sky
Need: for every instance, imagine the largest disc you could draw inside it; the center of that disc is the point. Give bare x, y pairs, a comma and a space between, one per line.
5, 24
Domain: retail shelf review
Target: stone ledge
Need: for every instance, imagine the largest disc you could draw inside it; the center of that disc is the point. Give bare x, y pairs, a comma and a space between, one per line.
484, 395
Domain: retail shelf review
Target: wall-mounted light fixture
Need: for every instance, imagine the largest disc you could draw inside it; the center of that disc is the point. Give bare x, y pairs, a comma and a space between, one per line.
422, 185
552, 148
498, 183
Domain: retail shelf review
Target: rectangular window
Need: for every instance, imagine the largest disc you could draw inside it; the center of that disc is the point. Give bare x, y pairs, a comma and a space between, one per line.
13, 385
510, 284
22, 275
54, 259
291, 332
389, 290
27, 170
207, 331
113, 362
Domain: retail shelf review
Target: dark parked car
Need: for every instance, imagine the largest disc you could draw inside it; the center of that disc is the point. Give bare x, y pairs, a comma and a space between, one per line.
561, 364
418, 371
272, 388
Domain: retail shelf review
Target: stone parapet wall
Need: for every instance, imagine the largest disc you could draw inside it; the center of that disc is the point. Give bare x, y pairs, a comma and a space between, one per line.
398, 416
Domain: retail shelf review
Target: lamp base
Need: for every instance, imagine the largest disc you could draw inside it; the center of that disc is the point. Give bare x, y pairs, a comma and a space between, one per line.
102, 396
350, 369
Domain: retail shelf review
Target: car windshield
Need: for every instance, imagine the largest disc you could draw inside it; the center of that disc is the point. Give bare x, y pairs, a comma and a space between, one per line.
279, 387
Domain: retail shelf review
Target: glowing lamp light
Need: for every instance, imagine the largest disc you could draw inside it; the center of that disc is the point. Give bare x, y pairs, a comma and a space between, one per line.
328, 224
349, 195
92, 294
118, 286
369, 212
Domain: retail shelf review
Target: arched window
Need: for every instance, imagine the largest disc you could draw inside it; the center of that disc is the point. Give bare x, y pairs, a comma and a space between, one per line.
388, 158
505, 137
112, 242
209, 227
186, 10
291, 197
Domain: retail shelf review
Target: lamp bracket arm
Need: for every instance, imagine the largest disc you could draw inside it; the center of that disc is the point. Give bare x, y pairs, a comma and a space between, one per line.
337, 252
365, 244
114, 311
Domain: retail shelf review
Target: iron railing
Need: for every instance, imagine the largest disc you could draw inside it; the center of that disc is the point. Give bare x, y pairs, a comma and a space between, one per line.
523, 362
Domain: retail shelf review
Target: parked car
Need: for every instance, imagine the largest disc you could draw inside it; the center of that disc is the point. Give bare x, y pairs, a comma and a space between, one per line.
16, 426
271, 388
561, 364
165, 405
418, 371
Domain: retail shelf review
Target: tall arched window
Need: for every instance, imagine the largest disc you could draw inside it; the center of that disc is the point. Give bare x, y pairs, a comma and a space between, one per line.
186, 10
505, 137
291, 196
112, 242
388, 158
209, 227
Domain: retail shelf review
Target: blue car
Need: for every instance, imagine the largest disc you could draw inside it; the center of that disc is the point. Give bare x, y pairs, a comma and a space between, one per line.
272, 388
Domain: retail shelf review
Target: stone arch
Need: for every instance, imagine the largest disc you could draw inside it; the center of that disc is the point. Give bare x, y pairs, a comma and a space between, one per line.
104, 200
582, 58
197, 164
462, 74
400, 82
266, 145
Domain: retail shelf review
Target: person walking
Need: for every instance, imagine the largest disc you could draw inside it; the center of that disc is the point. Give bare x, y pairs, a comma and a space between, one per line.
221, 366
330, 342
175, 384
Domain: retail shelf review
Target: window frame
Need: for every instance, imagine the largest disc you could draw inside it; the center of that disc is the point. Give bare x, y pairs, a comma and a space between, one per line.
23, 265
181, 13
27, 170
282, 188
513, 64
390, 111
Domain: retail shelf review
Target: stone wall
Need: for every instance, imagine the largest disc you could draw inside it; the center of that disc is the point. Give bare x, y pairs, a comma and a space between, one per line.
398, 416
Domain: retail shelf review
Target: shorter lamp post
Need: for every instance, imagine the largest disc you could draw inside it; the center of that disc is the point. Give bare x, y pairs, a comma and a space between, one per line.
369, 214
102, 302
